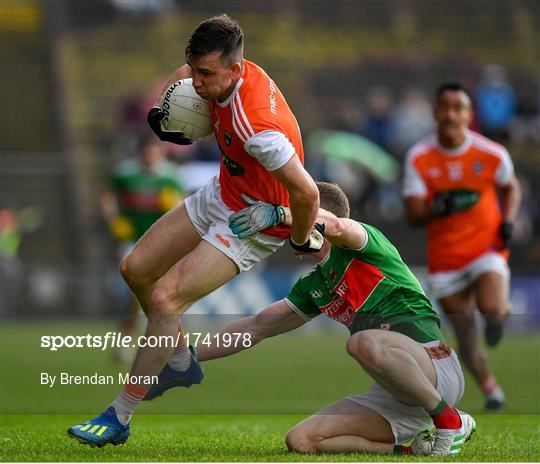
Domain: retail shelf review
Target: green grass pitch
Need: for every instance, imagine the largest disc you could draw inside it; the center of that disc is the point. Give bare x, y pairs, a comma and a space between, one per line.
244, 407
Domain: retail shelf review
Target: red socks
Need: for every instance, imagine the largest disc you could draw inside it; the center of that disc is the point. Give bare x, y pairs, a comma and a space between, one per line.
402, 449
445, 416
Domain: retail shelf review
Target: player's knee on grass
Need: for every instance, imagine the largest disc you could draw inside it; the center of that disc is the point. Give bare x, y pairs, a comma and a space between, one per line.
366, 347
298, 441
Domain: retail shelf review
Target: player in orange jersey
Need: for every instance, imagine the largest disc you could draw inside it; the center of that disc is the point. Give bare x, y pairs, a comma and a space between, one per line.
450, 187
191, 251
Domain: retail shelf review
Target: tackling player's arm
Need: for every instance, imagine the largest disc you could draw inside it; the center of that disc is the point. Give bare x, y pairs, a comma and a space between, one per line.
342, 232
303, 198
275, 319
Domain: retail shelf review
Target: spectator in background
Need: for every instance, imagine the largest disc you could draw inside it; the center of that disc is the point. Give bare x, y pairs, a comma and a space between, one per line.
377, 123
525, 126
13, 226
495, 103
130, 121
412, 120
141, 190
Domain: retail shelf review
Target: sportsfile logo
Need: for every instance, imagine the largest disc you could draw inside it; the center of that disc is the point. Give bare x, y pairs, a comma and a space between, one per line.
117, 340
109, 340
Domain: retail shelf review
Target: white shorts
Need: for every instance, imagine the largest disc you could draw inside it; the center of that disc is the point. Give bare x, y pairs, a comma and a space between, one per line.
407, 421
210, 217
442, 284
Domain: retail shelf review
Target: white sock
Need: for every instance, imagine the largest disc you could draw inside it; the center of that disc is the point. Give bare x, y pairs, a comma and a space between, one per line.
126, 402
497, 394
180, 360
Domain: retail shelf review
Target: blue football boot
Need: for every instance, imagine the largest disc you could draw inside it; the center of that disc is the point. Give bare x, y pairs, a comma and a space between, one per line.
169, 378
101, 430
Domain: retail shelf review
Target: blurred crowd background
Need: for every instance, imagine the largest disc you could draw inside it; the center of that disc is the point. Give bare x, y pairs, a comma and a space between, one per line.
78, 78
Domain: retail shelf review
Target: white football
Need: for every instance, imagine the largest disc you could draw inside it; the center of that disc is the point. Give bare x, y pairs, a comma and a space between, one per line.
185, 111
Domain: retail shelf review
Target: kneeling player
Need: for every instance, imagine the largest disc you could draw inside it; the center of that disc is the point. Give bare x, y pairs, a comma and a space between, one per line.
361, 281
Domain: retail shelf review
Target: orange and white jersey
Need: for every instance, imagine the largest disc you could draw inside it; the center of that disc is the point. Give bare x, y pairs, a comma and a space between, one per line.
257, 134
478, 164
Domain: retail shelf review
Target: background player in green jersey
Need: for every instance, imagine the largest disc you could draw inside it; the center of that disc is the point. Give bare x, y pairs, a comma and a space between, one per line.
361, 281
140, 191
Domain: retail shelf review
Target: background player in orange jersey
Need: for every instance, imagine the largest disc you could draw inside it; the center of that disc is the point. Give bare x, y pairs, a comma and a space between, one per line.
450, 186
191, 251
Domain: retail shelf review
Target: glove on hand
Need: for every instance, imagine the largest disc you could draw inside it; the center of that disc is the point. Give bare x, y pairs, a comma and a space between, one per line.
449, 202
506, 231
256, 217
314, 243
154, 117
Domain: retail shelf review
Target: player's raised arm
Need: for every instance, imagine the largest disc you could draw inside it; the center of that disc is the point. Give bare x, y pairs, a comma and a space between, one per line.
276, 319
303, 198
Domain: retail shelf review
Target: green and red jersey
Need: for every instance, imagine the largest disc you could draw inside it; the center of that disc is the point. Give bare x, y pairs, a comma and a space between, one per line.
141, 193
370, 288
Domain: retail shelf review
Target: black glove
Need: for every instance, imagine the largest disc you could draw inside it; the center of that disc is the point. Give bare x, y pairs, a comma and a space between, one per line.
314, 243
505, 231
450, 202
154, 117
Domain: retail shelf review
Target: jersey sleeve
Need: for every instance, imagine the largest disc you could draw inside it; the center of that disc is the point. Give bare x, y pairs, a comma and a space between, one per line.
505, 170
300, 301
413, 184
376, 246
271, 148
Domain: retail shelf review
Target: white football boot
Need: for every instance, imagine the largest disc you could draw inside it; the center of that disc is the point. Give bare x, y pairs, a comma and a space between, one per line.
422, 445
450, 441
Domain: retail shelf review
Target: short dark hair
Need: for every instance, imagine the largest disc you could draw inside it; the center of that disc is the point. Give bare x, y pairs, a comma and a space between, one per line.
333, 199
220, 33
452, 87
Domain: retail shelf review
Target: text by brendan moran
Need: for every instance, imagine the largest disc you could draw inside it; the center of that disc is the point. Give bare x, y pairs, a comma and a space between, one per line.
122, 378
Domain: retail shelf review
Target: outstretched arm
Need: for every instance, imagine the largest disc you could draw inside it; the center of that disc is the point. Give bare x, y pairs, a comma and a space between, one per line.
276, 319
343, 232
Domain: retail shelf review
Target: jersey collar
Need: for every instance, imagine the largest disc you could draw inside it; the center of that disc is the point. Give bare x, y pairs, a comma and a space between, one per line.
455, 151
225, 102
